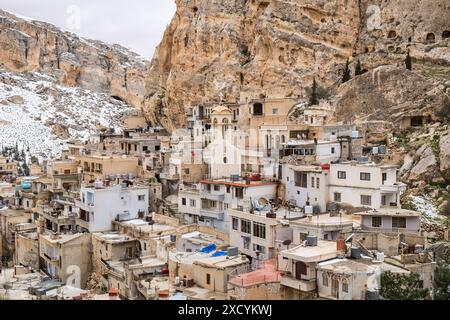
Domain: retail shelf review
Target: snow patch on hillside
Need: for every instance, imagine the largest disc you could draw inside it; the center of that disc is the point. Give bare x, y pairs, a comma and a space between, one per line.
41, 115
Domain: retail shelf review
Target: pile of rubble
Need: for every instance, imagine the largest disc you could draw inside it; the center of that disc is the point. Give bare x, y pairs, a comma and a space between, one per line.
433, 231
95, 285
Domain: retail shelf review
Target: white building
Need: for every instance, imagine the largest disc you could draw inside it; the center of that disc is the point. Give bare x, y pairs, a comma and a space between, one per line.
365, 185
259, 234
208, 203
100, 206
306, 186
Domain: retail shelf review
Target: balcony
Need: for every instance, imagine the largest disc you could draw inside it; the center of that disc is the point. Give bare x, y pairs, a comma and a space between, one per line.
82, 223
214, 195
169, 176
212, 213
302, 285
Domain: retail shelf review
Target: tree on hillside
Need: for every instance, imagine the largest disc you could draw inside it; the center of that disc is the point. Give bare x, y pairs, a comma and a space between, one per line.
346, 75
358, 69
408, 61
313, 100
396, 286
442, 281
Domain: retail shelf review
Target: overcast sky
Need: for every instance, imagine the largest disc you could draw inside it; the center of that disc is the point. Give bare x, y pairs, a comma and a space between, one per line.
135, 24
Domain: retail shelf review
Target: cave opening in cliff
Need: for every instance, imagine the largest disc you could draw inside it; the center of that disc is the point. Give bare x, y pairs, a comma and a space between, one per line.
431, 38
392, 34
195, 9
118, 98
445, 34
417, 121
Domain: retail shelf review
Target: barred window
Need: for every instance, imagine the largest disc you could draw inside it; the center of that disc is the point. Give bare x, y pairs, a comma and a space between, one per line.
259, 230
246, 226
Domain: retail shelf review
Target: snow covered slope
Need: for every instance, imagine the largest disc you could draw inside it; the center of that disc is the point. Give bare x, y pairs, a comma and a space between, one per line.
39, 114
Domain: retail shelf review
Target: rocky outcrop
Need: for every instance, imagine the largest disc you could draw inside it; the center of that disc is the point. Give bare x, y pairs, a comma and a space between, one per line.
427, 168
444, 154
27, 45
248, 48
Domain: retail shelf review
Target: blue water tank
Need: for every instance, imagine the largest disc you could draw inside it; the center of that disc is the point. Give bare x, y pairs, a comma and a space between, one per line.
26, 185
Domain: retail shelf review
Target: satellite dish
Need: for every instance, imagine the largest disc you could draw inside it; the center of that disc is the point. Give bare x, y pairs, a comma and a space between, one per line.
287, 243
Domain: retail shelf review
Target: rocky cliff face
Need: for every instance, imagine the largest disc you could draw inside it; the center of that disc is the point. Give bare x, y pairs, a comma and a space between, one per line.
275, 47
35, 46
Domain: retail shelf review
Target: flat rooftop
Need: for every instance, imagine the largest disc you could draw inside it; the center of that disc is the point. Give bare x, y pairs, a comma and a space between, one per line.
348, 266
239, 183
324, 220
268, 273
61, 238
324, 250
144, 226
394, 212
222, 262
113, 237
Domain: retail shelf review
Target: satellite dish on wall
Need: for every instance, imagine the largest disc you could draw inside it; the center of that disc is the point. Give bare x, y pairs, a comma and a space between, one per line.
287, 243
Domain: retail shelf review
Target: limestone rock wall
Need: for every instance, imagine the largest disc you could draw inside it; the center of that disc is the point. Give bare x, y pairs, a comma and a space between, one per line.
37, 46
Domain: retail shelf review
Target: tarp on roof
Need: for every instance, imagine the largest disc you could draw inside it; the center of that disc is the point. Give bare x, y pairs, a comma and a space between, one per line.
219, 254
208, 249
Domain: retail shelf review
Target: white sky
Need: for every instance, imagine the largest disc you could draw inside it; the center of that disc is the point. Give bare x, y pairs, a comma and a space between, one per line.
135, 24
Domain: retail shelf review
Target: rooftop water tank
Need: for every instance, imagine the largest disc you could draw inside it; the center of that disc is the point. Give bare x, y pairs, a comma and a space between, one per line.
380, 256
375, 150
233, 251
333, 138
355, 134
309, 209
311, 241
382, 149
26, 185
356, 253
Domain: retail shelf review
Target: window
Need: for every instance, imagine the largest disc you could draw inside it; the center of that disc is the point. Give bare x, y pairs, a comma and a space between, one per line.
376, 222
192, 203
345, 285
366, 200
333, 150
301, 180
259, 230
216, 187
384, 177
318, 183
342, 175
141, 197
186, 171
337, 197
235, 223
275, 111
312, 182
364, 176
324, 279
228, 189
240, 193
208, 278
257, 247
246, 243
246, 226
399, 222
258, 109
183, 201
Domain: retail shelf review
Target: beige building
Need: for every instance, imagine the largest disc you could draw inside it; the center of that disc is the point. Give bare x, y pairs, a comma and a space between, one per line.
66, 257
27, 250
206, 272
7, 167
98, 167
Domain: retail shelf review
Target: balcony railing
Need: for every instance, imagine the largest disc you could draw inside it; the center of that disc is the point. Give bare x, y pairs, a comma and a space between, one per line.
302, 285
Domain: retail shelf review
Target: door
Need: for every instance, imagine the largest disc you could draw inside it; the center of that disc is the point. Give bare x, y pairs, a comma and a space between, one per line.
335, 288
300, 269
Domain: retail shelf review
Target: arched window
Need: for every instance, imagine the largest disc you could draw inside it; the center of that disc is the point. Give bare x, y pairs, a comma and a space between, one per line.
216, 121
225, 160
325, 279
345, 285
225, 121
283, 139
